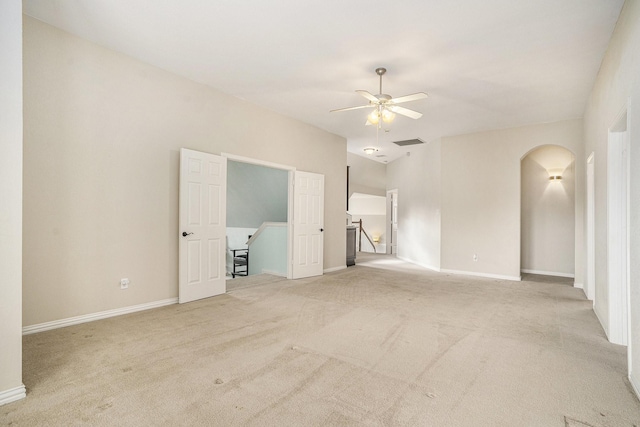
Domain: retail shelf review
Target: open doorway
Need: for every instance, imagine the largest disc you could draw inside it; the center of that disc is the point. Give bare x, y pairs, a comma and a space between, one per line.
368, 214
548, 212
203, 219
257, 219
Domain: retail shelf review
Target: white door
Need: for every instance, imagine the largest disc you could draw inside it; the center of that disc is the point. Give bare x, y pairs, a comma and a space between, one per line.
308, 224
394, 223
203, 188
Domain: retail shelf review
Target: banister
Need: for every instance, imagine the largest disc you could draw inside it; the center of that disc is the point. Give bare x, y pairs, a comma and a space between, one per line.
362, 230
262, 227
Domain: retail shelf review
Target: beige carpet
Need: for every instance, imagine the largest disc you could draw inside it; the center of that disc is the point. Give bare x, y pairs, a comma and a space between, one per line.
379, 344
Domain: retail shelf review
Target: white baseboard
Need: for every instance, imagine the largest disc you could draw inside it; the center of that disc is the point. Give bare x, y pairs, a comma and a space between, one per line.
274, 273
606, 332
488, 275
332, 269
549, 273
579, 286
41, 327
13, 394
428, 267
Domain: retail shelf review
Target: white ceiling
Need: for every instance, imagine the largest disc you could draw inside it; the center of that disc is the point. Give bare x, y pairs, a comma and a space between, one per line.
486, 64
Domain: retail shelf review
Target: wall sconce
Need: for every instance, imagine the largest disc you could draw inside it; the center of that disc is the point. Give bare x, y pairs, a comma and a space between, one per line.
555, 174
376, 239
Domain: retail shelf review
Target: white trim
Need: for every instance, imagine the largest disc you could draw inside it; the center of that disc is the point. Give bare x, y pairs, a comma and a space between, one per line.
549, 273
62, 323
590, 289
419, 264
274, 273
13, 394
243, 159
489, 275
618, 236
606, 332
291, 179
579, 286
332, 269
388, 222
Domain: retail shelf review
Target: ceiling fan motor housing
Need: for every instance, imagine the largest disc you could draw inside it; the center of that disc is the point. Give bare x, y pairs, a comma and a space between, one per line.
383, 97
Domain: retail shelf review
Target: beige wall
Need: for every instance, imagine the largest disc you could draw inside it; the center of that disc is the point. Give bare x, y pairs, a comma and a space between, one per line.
11, 199
617, 86
548, 212
417, 178
481, 196
102, 139
366, 176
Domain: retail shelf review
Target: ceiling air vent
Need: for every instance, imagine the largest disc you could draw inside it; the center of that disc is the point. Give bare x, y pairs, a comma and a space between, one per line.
409, 142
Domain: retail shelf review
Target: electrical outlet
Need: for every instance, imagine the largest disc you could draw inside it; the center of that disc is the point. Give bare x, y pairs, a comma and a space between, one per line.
124, 283
475, 257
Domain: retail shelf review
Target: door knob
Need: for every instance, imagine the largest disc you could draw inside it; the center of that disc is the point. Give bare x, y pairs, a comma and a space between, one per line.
185, 234
321, 230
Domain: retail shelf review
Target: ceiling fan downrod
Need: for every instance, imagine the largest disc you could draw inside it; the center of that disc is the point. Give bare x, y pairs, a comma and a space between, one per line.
380, 71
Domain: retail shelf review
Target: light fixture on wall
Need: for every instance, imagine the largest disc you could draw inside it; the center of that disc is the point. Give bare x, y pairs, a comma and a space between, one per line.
555, 174
376, 239
370, 150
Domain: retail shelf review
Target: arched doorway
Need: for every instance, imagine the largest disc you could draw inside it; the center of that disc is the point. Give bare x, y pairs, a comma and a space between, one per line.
548, 212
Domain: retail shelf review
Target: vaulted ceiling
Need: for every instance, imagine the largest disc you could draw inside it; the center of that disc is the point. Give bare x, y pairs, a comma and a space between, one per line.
486, 64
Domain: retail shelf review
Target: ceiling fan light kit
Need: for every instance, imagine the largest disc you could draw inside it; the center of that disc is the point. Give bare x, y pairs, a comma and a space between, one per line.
385, 107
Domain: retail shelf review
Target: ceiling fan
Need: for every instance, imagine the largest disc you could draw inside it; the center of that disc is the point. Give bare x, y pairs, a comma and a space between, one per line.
385, 107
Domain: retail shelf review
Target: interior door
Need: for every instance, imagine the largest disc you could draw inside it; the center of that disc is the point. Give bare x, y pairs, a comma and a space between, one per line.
308, 224
394, 223
202, 219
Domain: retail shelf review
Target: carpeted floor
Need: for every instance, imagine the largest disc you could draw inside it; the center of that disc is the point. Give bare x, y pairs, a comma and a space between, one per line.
380, 344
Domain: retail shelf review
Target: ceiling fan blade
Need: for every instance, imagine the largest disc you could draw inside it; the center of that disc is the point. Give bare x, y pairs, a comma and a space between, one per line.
405, 112
369, 96
407, 98
352, 108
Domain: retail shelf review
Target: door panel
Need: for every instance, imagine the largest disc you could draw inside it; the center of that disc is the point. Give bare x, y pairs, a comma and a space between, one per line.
308, 225
203, 219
